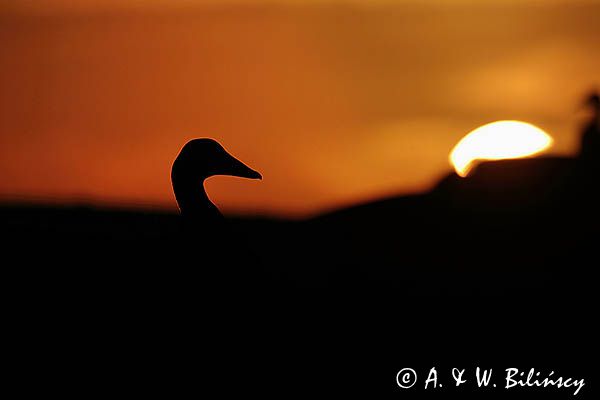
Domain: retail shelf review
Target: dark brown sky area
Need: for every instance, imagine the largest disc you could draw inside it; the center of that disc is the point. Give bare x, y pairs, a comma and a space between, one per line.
332, 101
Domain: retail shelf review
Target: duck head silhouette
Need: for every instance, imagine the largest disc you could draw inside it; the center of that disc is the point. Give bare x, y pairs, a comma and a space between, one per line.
198, 160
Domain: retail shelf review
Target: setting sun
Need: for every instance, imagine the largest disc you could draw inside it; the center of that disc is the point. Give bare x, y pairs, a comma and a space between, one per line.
497, 141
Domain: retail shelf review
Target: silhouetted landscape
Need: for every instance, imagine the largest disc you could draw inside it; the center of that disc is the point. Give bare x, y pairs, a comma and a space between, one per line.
510, 248
524, 226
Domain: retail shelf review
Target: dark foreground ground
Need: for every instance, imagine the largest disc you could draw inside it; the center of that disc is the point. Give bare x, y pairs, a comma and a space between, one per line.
494, 271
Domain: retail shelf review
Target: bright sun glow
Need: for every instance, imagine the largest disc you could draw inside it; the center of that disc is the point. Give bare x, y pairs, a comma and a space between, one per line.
497, 141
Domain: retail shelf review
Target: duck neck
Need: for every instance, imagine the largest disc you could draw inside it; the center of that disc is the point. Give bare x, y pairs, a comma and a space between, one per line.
194, 202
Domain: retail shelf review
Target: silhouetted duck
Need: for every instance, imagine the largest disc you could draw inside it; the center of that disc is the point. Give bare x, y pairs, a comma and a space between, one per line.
198, 160
212, 257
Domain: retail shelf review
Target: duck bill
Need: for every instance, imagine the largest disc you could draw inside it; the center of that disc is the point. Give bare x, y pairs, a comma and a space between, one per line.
238, 168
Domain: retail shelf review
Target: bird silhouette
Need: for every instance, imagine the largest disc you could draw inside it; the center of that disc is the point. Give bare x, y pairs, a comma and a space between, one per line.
198, 160
211, 257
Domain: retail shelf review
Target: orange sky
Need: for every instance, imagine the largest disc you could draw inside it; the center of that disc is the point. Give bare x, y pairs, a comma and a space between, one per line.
332, 101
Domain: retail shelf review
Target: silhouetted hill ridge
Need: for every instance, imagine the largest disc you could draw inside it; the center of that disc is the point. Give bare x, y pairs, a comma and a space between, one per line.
435, 243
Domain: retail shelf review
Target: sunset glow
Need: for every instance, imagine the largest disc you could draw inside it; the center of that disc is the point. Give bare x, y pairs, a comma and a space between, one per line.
335, 102
496, 141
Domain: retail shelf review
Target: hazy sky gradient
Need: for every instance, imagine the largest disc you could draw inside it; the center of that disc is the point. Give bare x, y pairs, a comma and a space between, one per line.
333, 102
